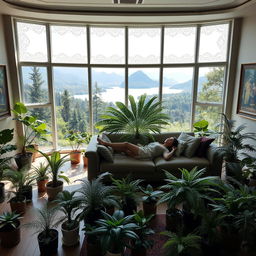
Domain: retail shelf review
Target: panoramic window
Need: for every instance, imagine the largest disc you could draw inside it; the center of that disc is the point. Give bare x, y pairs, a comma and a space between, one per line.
71, 73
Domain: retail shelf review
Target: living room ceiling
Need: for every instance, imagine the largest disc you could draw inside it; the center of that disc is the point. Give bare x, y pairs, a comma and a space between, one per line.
131, 6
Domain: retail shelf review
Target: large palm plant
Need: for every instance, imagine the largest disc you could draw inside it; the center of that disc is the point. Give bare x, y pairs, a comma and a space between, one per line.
136, 121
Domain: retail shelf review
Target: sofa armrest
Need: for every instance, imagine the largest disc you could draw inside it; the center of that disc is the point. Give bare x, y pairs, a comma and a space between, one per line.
93, 158
215, 160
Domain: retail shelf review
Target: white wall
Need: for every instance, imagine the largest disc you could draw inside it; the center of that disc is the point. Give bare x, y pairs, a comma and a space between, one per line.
246, 54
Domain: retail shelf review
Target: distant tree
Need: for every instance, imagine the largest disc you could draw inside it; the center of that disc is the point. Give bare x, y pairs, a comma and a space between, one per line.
73, 123
97, 102
65, 111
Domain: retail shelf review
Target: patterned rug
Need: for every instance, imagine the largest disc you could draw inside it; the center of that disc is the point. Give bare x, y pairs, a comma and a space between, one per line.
158, 225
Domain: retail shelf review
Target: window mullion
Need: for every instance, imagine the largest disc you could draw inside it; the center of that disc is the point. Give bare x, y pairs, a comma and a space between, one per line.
126, 66
161, 66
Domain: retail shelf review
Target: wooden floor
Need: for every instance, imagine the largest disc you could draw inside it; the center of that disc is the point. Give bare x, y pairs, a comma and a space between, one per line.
28, 245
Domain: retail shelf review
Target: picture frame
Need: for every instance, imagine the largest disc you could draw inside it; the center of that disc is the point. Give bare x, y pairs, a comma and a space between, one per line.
246, 105
4, 94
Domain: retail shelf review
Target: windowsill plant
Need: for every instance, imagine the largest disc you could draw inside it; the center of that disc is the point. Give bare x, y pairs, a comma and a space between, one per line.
41, 175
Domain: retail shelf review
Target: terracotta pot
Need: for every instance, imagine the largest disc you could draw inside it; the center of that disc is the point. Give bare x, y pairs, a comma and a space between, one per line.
51, 191
93, 249
139, 252
149, 208
70, 237
41, 186
2, 192
18, 204
23, 160
11, 237
85, 161
75, 157
51, 247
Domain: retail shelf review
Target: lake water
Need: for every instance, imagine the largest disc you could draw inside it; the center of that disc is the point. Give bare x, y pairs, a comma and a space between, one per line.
117, 94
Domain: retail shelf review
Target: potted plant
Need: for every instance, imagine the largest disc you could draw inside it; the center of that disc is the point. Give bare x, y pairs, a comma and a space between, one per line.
233, 143
249, 169
6, 136
116, 232
140, 246
76, 139
126, 190
45, 224
94, 197
183, 245
69, 205
34, 129
150, 199
87, 140
41, 175
10, 229
190, 192
55, 162
136, 122
201, 129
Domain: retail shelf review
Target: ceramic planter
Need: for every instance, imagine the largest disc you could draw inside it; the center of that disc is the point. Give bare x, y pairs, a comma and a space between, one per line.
75, 157
149, 208
10, 236
41, 185
85, 161
18, 204
52, 192
23, 160
2, 192
70, 237
51, 247
27, 192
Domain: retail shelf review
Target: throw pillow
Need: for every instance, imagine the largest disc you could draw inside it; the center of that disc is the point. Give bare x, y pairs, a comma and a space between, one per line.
203, 146
105, 153
180, 148
192, 144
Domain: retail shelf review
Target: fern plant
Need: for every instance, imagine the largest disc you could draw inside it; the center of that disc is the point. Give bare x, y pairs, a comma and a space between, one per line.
234, 140
137, 121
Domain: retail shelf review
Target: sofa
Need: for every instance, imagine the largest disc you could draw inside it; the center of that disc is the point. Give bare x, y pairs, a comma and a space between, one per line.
149, 170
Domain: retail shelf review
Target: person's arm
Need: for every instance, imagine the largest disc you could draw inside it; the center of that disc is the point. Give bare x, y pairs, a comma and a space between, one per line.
168, 155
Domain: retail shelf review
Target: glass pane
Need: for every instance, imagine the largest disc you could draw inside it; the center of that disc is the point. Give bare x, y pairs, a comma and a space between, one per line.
72, 107
108, 86
177, 97
32, 42
69, 44
44, 114
210, 84
179, 44
213, 43
34, 85
143, 80
144, 45
107, 45
209, 113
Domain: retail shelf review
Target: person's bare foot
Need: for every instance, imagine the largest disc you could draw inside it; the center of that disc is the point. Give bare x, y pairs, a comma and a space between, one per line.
101, 142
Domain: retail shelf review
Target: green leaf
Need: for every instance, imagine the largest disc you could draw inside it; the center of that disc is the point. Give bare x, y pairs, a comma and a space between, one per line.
20, 108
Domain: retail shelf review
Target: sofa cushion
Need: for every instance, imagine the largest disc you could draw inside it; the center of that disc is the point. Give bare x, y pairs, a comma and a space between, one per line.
180, 148
203, 146
125, 164
180, 162
105, 153
192, 144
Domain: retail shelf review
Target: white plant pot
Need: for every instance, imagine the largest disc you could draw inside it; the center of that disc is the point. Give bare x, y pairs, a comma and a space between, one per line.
70, 237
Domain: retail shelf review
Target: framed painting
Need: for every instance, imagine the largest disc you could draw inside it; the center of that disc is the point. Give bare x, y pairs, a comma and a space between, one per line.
247, 91
4, 96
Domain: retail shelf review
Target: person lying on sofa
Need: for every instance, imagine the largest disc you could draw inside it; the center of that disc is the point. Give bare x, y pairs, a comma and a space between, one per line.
150, 151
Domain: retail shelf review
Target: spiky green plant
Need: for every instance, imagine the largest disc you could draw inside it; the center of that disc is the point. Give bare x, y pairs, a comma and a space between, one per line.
69, 204
150, 195
234, 140
179, 244
9, 220
115, 232
55, 162
137, 121
95, 196
41, 171
191, 189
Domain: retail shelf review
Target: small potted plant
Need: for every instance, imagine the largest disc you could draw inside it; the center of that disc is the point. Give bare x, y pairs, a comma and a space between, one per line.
140, 246
69, 205
6, 136
149, 199
45, 224
116, 232
94, 197
10, 229
55, 162
86, 141
34, 129
126, 190
41, 175
183, 245
76, 139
